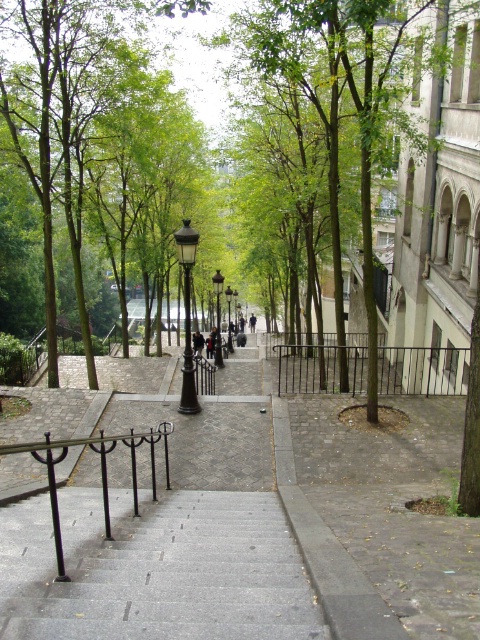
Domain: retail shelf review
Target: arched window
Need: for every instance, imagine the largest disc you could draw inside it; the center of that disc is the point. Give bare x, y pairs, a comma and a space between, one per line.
444, 252
407, 222
461, 245
464, 214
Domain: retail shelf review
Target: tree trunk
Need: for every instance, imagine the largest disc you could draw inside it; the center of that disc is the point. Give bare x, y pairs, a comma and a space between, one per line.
169, 319
334, 189
45, 176
469, 493
160, 288
148, 314
366, 180
75, 231
291, 309
124, 312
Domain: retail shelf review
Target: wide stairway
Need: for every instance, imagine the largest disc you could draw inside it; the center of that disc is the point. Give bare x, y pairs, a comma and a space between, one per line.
196, 565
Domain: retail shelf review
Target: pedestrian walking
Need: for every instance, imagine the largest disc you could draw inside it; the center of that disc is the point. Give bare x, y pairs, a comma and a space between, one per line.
253, 322
242, 324
211, 343
210, 347
198, 343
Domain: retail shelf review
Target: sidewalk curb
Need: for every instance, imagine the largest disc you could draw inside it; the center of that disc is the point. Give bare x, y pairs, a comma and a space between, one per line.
85, 428
353, 608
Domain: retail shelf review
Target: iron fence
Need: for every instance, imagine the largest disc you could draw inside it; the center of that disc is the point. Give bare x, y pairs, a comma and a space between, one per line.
271, 340
18, 368
112, 339
401, 370
204, 376
103, 446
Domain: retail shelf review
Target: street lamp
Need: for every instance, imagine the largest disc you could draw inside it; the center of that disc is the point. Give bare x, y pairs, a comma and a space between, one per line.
218, 288
187, 243
228, 296
235, 296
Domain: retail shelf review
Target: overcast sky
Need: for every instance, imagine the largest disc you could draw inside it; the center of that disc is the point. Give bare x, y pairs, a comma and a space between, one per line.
198, 69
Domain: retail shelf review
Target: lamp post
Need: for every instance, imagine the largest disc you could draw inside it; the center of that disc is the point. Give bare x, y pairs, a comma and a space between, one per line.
228, 296
218, 288
235, 296
187, 243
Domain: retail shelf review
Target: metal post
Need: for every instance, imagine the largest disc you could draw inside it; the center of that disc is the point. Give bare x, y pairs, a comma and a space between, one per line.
218, 345
188, 401
230, 342
57, 532
106, 503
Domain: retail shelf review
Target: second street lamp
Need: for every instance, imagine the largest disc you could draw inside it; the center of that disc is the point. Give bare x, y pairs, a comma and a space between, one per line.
187, 242
235, 296
228, 296
218, 288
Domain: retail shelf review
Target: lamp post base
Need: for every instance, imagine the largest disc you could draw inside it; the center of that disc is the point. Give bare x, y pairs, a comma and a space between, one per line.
189, 410
188, 400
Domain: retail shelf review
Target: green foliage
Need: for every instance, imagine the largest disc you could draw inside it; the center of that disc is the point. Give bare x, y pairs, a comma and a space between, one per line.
185, 6
71, 347
105, 312
10, 344
453, 507
21, 263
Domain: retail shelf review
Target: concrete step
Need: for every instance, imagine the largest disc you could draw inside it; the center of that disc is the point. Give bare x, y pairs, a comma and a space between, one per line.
195, 565
188, 612
45, 566
39, 629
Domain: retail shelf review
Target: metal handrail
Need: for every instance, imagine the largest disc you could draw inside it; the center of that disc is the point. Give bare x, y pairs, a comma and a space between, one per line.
204, 376
313, 369
131, 440
326, 339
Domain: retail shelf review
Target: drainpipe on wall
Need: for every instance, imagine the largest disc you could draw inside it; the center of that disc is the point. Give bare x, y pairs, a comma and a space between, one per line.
444, 6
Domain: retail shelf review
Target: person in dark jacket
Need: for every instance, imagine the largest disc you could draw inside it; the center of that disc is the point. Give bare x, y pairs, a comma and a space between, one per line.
198, 343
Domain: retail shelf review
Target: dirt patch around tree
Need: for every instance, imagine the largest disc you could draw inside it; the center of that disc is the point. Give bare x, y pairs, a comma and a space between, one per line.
13, 407
435, 506
394, 421
389, 420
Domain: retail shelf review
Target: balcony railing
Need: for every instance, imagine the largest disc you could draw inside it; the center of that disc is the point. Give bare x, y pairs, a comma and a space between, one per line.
386, 213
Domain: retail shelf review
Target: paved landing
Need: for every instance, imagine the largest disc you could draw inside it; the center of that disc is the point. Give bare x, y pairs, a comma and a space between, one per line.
228, 446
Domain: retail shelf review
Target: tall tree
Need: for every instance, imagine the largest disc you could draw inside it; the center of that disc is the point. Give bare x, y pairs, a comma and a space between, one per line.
469, 491
27, 113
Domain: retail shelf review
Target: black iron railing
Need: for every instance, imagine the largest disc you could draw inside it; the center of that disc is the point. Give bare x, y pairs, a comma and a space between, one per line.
103, 446
204, 376
113, 338
17, 369
408, 371
271, 340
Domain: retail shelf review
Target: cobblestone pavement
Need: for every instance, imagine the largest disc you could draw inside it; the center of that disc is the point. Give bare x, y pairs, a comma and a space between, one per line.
238, 378
228, 446
59, 411
426, 567
113, 374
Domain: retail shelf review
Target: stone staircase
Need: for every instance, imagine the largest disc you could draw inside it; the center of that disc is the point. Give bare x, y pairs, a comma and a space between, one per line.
196, 565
